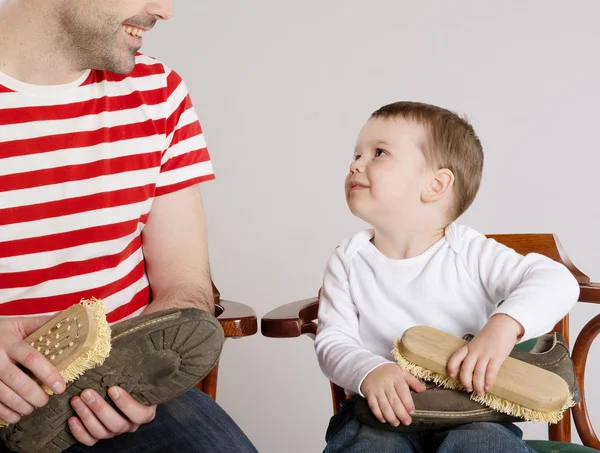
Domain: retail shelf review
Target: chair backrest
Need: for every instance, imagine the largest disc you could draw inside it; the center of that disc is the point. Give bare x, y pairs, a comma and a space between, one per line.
544, 244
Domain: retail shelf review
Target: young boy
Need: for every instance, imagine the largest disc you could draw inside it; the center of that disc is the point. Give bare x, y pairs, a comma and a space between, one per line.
417, 168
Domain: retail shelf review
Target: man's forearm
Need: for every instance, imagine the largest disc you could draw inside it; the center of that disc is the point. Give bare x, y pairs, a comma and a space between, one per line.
183, 295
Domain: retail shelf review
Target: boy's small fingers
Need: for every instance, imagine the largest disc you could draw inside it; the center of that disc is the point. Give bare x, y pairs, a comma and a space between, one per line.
387, 411
479, 375
414, 383
374, 406
455, 362
491, 373
405, 397
466, 373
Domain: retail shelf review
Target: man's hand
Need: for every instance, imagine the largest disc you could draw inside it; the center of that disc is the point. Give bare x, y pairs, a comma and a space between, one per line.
479, 361
387, 389
19, 393
97, 420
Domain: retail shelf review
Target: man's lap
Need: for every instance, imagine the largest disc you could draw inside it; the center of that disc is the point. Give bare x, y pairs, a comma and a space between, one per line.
191, 423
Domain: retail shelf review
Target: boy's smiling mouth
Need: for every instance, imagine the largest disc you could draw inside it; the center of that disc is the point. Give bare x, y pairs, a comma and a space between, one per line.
355, 185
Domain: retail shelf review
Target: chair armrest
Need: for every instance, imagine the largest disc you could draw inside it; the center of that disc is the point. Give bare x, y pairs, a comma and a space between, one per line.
580, 354
237, 320
291, 320
590, 292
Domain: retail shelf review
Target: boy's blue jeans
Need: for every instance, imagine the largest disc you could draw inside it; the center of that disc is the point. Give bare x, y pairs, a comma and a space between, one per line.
346, 434
192, 423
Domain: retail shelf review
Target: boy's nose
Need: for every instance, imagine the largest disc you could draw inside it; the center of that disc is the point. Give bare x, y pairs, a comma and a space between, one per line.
356, 167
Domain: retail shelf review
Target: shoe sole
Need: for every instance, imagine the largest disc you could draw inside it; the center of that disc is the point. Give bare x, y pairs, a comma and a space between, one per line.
155, 358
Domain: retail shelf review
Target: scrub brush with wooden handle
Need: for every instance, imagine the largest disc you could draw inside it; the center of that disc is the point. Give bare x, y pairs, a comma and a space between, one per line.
74, 341
521, 389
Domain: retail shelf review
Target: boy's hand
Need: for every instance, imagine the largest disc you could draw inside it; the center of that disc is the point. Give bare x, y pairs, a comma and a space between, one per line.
387, 389
480, 359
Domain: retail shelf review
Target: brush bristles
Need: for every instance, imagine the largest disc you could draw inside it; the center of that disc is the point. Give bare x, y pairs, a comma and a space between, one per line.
95, 356
488, 399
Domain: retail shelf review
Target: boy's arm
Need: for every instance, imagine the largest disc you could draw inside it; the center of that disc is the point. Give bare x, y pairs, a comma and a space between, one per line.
536, 293
339, 348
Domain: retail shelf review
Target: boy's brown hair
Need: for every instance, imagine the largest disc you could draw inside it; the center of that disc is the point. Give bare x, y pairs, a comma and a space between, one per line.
450, 142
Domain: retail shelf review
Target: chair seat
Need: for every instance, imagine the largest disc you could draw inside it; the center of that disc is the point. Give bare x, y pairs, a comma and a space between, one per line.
549, 446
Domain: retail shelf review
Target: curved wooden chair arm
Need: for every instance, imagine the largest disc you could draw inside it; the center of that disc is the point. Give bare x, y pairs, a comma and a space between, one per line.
237, 320
590, 293
291, 320
580, 354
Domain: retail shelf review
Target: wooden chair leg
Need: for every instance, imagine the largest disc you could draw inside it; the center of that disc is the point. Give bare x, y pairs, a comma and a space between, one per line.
337, 395
209, 383
562, 430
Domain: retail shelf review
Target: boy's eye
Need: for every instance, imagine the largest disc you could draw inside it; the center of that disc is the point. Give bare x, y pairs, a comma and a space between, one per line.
379, 152
356, 156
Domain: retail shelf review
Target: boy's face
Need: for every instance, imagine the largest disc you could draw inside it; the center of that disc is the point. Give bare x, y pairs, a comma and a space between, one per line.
102, 32
389, 172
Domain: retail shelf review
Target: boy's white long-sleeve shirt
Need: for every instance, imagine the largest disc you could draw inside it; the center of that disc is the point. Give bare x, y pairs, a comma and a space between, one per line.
368, 300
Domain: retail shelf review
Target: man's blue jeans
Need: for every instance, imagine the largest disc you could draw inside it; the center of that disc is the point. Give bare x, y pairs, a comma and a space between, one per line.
192, 423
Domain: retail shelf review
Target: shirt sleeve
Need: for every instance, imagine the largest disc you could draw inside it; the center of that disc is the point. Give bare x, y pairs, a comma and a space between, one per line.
533, 289
340, 352
185, 159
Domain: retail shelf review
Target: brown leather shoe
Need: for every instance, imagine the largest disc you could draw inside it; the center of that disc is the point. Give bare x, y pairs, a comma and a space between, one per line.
439, 408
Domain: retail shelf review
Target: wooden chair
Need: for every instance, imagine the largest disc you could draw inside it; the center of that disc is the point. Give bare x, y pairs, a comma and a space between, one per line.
238, 320
298, 318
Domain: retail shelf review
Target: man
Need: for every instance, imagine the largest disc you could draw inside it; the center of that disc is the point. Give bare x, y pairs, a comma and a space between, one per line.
101, 154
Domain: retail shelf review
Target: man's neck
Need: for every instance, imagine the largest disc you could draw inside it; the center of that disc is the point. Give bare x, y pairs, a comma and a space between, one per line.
31, 51
399, 240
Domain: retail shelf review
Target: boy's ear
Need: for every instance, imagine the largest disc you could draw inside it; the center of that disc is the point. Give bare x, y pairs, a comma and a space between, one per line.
442, 182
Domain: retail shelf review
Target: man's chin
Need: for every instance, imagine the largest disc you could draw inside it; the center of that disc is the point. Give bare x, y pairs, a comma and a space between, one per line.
122, 66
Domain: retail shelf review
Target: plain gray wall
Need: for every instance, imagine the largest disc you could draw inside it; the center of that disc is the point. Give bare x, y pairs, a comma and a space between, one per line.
282, 89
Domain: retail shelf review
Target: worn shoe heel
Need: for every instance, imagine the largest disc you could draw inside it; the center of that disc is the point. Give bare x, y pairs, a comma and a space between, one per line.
155, 358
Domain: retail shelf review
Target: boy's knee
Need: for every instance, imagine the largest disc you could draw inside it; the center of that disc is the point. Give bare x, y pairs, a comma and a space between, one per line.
484, 436
496, 429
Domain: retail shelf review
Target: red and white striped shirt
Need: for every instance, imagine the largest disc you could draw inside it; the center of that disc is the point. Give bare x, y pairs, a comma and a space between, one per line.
79, 167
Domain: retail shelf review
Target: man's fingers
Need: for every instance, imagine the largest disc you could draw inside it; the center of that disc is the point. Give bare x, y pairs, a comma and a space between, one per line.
32, 323
80, 433
41, 367
8, 415
134, 411
91, 423
14, 402
22, 385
